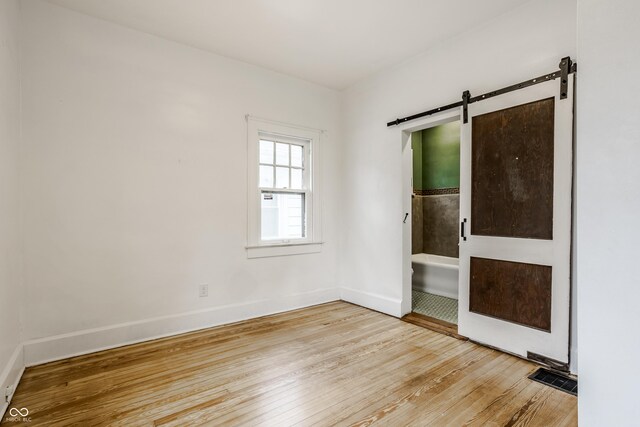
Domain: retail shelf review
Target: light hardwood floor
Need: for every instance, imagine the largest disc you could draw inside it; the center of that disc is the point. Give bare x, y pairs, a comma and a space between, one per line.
332, 364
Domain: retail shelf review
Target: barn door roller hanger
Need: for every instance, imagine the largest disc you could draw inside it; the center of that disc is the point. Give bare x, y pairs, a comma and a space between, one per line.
566, 67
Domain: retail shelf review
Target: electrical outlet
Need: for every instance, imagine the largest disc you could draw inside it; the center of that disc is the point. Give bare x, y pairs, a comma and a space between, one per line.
203, 291
8, 393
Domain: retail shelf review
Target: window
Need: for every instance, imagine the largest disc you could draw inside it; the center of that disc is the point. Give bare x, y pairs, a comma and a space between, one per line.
283, 192
284, 184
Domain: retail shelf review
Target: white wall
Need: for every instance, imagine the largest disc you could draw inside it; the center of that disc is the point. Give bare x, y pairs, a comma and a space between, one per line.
608, 205
10, 289
519, 45
135, 185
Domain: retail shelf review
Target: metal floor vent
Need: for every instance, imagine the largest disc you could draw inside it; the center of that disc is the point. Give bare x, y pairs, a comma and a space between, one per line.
555, 380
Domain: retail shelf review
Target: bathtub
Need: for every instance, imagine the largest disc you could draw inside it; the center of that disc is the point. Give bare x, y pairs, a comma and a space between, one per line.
435, 274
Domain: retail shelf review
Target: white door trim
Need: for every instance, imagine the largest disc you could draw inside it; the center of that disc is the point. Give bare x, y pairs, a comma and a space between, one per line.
405, 131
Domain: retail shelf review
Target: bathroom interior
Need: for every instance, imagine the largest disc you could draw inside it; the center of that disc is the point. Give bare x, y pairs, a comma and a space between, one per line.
435, 217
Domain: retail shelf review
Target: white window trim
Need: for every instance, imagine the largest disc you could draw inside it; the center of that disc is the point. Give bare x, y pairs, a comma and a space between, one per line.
256, 248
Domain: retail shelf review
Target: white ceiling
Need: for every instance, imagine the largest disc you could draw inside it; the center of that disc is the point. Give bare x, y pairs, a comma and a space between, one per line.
331, 42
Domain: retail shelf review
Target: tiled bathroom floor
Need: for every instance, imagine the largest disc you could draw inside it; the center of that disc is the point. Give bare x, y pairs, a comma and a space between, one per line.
442, 308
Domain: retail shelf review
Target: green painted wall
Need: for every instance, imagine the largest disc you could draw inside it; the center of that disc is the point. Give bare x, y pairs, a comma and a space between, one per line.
416, 145
436, 157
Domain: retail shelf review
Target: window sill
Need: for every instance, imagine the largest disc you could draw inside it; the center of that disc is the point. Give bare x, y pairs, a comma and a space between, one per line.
283, 249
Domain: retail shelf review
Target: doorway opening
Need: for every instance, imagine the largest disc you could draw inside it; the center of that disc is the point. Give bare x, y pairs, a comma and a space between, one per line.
435, 213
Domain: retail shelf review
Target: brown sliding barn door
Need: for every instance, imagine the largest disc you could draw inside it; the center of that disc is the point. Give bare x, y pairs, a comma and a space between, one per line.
515, 195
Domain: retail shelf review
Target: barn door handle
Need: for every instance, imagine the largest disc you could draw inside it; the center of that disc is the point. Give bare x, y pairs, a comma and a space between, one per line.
462, 233
406, 214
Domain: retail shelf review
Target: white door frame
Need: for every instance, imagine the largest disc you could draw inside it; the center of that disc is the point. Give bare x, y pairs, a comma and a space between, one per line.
405, 131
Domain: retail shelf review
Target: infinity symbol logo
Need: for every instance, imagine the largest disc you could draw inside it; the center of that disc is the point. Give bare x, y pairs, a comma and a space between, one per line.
14, 412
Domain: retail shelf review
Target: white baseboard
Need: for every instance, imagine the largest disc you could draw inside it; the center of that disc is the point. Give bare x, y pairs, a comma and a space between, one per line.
59, 347
390, 306
10, 377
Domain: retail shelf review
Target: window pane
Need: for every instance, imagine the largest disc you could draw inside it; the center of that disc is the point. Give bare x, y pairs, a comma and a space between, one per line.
282, 177
282, 154
266, 151
296, 155
283, 216
296, 179
266, 176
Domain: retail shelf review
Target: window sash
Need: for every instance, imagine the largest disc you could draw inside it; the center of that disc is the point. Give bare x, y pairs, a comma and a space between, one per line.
306, 184
304, 219
305, 145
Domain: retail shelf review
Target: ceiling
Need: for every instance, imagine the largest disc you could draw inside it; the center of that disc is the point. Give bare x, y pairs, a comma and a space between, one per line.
334, 43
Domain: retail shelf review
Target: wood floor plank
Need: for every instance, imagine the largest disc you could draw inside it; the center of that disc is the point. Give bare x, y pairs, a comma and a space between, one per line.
362, 374
332, 361
117, 399
309, 368
434, 396
243, 354
332, 364
434, 324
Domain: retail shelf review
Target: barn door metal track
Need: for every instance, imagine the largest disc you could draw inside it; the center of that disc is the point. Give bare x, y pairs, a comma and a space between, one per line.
566, 67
